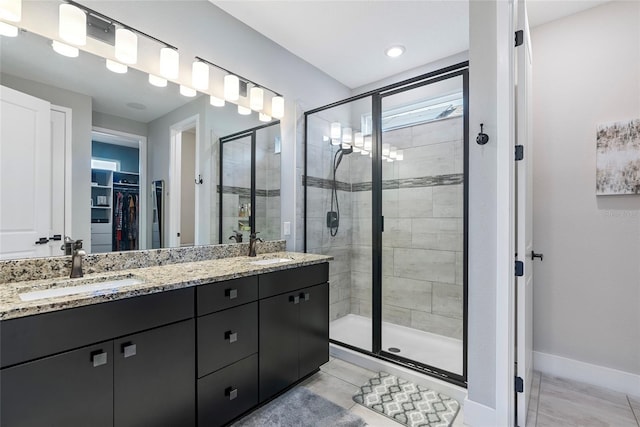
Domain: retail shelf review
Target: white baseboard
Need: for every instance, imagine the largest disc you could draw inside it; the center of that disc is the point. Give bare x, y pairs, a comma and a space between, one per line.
550, 364
478, 415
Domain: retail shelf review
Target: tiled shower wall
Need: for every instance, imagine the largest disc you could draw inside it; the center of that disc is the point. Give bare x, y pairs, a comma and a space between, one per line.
423, 238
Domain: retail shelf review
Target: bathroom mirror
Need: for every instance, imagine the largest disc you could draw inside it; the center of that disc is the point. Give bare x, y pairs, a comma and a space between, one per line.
250, 183
124, 110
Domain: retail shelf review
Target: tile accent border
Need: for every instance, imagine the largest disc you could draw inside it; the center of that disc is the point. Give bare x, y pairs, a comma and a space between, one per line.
389, 184
246, 192
17, 270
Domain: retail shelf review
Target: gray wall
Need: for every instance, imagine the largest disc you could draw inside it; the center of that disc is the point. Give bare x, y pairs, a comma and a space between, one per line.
81, 147
586, 70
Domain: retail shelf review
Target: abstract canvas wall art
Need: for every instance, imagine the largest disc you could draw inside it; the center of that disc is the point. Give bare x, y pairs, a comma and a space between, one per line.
618, 158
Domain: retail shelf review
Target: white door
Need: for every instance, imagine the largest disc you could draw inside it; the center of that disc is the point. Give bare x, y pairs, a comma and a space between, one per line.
524, 218
25, 175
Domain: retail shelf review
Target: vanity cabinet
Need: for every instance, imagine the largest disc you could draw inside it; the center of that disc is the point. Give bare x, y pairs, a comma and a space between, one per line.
227, 339
143, 378
294, 326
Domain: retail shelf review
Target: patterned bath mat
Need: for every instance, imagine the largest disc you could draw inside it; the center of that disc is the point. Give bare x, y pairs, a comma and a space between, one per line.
407, 403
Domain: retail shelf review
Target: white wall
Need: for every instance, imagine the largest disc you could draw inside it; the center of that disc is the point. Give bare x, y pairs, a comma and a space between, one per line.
187, 192
586, 71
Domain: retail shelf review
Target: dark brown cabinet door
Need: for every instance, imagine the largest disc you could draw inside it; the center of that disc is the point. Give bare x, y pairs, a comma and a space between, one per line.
278, 357
154, 377
72, 389
314, 328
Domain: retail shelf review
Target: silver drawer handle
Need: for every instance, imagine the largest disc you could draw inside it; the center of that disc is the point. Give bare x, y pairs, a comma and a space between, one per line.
231, 293
231, 393
99, 358
129, 350
231, 336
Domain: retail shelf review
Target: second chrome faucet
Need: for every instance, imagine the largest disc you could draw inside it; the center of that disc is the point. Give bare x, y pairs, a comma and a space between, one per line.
253, 239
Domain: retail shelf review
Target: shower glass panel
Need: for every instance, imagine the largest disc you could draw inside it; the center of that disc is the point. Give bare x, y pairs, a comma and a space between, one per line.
423, 160
235, 186
267, 209
338, 213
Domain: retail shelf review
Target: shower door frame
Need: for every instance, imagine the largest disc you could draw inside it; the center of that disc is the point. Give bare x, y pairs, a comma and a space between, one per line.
377, 95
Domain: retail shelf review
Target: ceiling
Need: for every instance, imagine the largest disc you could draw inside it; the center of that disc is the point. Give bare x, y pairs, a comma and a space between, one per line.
347, 39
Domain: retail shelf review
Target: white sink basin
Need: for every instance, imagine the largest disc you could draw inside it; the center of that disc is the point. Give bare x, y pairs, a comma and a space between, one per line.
270, 261
96, 288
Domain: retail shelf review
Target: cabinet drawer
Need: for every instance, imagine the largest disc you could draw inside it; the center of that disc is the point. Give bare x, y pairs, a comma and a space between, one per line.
279, 282
230, 293
31, 337
227, 393
226, 337
69, 389
99, 227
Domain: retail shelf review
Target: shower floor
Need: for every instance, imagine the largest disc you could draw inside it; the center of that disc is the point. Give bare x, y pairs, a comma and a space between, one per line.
424, 347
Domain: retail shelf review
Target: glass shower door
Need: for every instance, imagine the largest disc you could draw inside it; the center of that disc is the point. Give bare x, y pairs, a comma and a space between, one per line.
423, 206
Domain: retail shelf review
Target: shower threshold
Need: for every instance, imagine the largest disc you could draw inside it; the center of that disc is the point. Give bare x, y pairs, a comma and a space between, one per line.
431, 349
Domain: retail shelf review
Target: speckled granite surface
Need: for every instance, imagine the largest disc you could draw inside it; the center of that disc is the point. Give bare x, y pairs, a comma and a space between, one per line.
154, 279
54, 267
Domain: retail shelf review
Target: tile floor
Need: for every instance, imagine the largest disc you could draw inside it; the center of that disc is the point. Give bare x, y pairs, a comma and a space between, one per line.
554, 401
338, 381
560, 402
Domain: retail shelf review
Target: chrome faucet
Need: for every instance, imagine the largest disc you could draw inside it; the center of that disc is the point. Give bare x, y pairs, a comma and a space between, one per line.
76, 259
252, 243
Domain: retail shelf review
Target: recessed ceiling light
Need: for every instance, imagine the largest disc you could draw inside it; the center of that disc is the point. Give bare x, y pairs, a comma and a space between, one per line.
395, 51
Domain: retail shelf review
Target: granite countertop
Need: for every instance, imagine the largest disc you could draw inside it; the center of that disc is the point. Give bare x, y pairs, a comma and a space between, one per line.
154, 279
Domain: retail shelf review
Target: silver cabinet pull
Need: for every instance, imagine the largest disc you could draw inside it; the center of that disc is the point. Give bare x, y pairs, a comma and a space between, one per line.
99, 358
294, 299
231, 336
304, 296
231, 293
231, 393
129, 350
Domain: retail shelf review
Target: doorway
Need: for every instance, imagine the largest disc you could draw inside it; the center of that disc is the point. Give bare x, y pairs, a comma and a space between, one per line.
184, 182
386, 194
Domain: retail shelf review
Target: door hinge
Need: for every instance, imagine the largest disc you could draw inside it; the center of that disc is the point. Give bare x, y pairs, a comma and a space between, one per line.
519, 38
519, 152
519, 268
519, 385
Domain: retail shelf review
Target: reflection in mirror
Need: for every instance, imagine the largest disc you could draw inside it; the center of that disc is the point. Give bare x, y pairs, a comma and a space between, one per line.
86, 102
157, 205
250, 184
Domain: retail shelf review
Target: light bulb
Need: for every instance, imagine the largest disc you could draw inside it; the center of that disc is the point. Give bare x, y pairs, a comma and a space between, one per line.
347, 135
200, 75
256, 98
231, 87
11, 10
116, 67
187, 91
157, 81
169, 63
277, 107
8, 30
215, 101
358, 140
264, 117
72, 24
336, 130
126, 49
244, 110
65, 49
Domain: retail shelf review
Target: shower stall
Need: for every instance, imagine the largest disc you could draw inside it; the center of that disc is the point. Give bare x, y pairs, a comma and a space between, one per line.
385, 184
